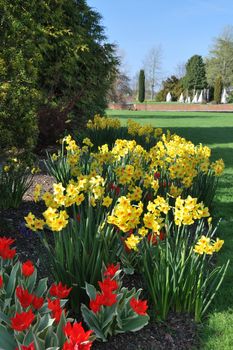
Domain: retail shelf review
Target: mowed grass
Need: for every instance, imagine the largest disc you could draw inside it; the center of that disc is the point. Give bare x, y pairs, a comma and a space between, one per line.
216, 131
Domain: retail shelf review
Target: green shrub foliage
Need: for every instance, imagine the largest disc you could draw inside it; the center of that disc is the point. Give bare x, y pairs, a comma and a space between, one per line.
55, 66
172, 85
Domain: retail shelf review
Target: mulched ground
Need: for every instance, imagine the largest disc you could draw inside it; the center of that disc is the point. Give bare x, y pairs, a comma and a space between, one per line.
178, 333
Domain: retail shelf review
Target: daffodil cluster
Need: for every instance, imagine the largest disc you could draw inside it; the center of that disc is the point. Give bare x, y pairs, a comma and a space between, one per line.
64, 197
103, 123
37, 191
126, 216
148, 131
187, 210
218, 167
182, 160
177, 161
138, 223
33, 223
143, 179
208, 246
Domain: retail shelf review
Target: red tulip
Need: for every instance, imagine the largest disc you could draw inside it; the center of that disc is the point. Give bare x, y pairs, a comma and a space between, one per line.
37, 302
1, 281
25, 298
109, 298
152, 238
111, 270
108, 285
95, 304
59, 291
55, 307
157, 175
27, 268
139, 306
22, 320
5, 251
78, 338
162, 236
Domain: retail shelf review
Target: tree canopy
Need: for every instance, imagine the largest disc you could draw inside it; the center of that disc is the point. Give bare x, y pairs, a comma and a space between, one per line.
220, 59
55, 65
195, 78
152, 69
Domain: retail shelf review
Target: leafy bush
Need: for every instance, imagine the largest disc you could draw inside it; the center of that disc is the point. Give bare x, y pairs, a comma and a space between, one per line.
230, 97
172, 85
18, 122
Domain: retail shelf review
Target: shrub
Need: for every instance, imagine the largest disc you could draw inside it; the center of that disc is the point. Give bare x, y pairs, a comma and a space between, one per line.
230, 97
18, 122
172, 85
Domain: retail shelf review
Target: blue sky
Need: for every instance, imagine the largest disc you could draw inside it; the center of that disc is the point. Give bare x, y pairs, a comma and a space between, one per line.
182, 28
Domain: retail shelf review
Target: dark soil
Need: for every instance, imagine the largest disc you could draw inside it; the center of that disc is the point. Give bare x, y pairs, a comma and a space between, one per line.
178, 333
12, 224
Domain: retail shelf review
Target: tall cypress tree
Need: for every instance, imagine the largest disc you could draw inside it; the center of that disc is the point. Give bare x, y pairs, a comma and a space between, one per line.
141, 88
218, 89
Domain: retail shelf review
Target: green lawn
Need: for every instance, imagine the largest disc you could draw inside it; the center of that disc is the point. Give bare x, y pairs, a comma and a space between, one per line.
216, 131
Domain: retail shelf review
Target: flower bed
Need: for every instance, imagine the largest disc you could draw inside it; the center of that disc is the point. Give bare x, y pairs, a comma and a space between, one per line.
143, 207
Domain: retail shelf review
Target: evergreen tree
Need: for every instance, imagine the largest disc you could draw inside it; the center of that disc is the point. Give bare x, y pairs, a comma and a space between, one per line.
218, 89
172, 85
55, 66
195, 78
141, 88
